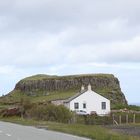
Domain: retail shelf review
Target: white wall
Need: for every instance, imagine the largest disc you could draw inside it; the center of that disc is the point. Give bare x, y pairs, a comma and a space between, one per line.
93, 103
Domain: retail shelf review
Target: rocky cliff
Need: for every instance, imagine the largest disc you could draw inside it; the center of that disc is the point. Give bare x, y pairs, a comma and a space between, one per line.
104, 84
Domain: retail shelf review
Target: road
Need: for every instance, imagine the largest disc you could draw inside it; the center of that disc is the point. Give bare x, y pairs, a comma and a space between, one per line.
9, 131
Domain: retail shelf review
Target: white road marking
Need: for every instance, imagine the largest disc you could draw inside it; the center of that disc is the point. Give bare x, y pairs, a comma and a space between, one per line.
9, 135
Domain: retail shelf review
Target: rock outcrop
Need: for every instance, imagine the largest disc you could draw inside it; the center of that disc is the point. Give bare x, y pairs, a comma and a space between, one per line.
104, 84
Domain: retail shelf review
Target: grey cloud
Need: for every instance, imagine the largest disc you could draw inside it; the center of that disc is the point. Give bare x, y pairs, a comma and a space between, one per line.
62, 13
47, 32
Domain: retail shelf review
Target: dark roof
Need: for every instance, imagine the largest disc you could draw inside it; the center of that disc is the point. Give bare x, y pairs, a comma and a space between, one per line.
75, 96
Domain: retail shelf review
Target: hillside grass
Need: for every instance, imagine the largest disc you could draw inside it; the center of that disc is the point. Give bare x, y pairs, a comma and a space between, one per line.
90, 131
43, 76
17, 95
42, 96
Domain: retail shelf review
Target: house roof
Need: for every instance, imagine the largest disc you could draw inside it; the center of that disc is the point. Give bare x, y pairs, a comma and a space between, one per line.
80, 93
75, 96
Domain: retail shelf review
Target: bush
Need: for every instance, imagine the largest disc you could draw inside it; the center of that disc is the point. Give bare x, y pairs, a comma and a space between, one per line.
134, 107
50, 112
94, 120
129, 107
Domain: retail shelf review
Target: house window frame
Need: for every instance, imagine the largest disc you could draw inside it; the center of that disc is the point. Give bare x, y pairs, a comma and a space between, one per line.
84, 105
76, 105
103, 105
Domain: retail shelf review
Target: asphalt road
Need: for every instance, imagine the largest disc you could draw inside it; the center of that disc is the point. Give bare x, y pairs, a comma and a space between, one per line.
9, 131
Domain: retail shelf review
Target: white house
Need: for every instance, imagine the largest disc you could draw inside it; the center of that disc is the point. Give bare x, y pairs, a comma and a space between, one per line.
89, 101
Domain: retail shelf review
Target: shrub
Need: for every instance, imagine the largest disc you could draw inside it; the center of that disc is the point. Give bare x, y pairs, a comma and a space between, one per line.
50, 112
129, 107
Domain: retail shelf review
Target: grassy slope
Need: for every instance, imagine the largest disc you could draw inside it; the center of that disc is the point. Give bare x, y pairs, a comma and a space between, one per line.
43, 76
16, 96
89, 131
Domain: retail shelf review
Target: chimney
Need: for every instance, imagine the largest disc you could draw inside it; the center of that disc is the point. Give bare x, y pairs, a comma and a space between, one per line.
89, 87
82, 88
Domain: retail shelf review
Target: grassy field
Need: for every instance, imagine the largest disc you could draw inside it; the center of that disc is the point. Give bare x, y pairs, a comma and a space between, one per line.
90, 131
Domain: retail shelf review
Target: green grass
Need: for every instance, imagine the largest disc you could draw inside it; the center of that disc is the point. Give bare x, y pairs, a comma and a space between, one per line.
54, 96
16, 96
89, 131
43, 76
39, 77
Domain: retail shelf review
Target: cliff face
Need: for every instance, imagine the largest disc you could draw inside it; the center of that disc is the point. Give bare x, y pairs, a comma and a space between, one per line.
104, 84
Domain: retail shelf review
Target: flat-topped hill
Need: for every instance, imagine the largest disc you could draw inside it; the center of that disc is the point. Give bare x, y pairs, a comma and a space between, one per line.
65, 86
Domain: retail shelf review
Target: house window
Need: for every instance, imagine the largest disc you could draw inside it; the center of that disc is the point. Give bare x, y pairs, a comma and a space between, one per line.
76, 105
84, 105
103, 105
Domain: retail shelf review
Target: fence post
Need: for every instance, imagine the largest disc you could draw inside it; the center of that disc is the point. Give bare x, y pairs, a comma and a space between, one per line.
120, 119
127, 119
113, 118
134, 118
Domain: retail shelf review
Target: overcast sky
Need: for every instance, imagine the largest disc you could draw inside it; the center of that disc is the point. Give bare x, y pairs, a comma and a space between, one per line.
70, 37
